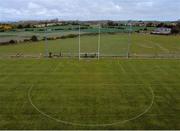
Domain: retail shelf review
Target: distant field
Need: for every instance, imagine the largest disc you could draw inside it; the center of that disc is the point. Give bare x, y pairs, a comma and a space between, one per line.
129, 94
111, 45
21, 34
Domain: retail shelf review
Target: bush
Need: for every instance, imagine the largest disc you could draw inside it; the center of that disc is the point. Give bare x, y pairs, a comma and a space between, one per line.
4, 43
29, 30
34, 38
84, 28
69, 36
121, 28
50, 54
175, 31
41, 30
28, 26
58, 29
51, 38
58, 37
12, 42
13, 30
20, 26
27, 40
145, 29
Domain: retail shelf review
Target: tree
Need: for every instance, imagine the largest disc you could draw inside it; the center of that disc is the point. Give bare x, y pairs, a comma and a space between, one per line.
50, 54
12, 42
178, 25
150, 24
161, 25
110, 23
1, 30
176, 29
28, 26
34, 38
20, 26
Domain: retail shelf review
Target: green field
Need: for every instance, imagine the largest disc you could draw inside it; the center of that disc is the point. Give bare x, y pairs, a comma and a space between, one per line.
90, 94
57, 31
111, 45
105, 94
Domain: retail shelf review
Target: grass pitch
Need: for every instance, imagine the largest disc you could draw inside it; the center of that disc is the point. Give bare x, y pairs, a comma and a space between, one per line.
90, 92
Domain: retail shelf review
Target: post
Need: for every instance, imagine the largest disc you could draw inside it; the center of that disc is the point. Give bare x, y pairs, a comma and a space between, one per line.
129, 42
99, 42
79, 42
46, 43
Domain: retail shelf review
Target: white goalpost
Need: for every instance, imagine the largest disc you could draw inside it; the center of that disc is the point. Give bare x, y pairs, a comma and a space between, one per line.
98, 44
46, 43
79, 42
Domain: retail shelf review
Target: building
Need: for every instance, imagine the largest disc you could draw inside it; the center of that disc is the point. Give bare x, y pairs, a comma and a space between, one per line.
162, 31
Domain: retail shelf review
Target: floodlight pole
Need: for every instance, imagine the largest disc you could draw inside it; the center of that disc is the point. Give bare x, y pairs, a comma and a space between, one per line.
99, 42
79, 42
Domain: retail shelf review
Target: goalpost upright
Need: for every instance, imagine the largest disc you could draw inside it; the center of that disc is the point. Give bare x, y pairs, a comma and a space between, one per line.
79, 42
99, 42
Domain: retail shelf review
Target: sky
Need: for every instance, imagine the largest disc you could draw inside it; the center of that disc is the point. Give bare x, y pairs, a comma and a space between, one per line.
163, 10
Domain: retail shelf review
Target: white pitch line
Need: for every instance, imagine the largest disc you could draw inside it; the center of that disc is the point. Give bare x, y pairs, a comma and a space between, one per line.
56, 67
175, 71
91, 125
122, 68
133, 69
158, 45
161, 47
145, 46
161, 69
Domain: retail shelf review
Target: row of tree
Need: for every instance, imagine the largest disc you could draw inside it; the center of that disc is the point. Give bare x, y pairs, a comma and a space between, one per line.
176, 29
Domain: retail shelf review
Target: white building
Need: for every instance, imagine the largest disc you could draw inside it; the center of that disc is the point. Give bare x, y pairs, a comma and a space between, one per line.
162, 31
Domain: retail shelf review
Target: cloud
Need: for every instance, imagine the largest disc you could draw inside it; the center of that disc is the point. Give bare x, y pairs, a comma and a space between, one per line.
145, 4
11, 10
32, 5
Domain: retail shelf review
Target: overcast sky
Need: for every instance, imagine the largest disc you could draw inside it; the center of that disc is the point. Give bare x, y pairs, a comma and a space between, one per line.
12, 10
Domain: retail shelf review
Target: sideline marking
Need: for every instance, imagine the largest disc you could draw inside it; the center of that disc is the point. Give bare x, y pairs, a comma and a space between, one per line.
158, 45
161, 47
145, 46
161, 69
122, 68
